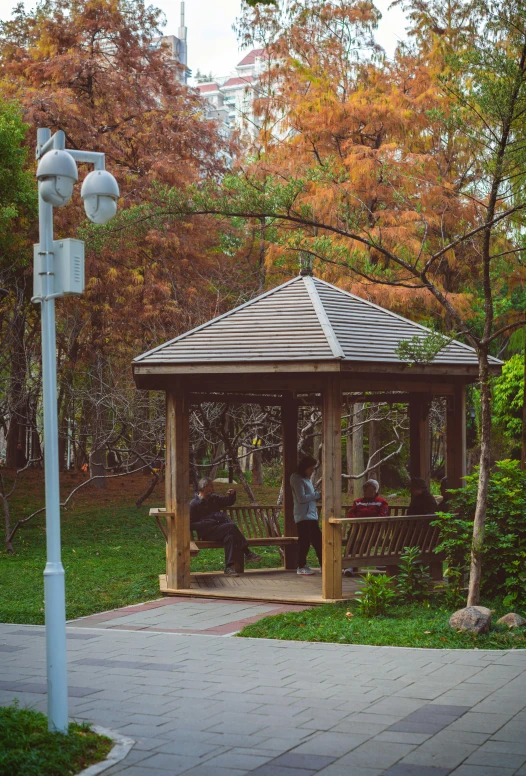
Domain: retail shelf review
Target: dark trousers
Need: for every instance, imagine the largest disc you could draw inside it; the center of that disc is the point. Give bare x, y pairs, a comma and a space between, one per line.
309, 534
233, 540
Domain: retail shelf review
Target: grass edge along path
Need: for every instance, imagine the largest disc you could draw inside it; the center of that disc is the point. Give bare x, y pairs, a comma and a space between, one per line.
27, 748
112, 552
422, 625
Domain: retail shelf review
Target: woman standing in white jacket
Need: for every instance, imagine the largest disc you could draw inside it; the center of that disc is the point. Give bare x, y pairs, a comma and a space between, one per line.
305, 513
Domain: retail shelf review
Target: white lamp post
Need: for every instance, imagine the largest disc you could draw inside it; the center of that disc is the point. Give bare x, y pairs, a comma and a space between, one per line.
59, 270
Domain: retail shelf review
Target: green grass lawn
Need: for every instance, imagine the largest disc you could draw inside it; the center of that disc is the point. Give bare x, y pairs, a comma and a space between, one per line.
419, 625
112, 552
27, 748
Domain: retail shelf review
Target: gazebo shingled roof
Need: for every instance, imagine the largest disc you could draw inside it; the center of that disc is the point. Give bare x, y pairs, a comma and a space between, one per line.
303, 319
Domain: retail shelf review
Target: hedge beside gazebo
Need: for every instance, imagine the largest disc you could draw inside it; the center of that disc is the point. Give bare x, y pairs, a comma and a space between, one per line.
304, 337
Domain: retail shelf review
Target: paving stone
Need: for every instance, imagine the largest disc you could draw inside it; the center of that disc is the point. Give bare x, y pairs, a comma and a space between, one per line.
350, 725
375, 754
343, 770
479, 722
247, 762
136, 770
277, 770
403, 769
515, 747
171, 764
483, 770
187, 748
497, 759
310, 761
271, 745
330, 744
209, 770
402, 738
440, 753
408, 726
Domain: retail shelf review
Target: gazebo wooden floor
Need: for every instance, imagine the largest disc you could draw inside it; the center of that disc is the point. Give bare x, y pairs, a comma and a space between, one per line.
276, 585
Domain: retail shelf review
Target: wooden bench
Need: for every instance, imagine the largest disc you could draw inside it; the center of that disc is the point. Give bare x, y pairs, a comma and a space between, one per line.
380, 541
259, 525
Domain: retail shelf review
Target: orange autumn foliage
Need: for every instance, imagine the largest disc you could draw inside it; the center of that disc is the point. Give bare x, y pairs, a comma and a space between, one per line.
369, 138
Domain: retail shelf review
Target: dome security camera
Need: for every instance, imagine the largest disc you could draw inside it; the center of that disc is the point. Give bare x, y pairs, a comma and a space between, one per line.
100, 192
57, 174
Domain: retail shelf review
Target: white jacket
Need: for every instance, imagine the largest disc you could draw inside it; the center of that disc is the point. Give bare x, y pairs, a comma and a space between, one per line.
305, 498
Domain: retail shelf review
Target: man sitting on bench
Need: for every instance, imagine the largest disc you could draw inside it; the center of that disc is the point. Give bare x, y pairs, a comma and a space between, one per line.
212, 525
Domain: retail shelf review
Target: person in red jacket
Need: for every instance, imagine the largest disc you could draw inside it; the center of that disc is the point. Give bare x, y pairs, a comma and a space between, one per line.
371, 504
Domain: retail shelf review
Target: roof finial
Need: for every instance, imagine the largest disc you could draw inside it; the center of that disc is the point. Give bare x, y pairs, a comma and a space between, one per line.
306, 260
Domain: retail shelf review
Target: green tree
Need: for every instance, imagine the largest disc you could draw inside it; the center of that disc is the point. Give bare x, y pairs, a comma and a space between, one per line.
17, 224
508, 396
17, 193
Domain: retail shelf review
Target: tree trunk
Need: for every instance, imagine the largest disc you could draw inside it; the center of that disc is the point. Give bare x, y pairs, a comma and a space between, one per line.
257, 468
140, 441
262, 253
483, 483
373, 447
348, 455
98, 454
358, 464
217, 455
97, 464
17, 384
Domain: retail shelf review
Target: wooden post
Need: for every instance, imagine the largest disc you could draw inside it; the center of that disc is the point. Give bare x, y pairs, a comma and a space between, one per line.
176, 479
332, 487
419, 438
289, 427
456, 437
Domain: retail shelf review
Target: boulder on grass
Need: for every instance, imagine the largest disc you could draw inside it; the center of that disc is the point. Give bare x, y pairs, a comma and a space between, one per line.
512, 620
474, 619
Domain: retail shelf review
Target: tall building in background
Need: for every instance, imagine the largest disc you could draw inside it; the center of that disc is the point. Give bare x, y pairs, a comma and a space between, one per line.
177, 48
231, 98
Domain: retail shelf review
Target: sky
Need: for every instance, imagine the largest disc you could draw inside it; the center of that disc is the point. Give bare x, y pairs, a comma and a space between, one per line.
212, 44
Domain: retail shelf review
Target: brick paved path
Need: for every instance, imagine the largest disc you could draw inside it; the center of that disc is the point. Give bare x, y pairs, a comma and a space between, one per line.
205, 704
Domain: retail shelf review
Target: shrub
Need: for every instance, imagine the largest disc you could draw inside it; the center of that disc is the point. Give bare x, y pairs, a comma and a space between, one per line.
413, 577
374, 595
504, 551
273, 474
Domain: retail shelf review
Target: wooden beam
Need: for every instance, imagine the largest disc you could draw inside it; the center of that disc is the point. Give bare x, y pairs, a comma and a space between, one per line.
418, 370
289, 425
419, 438
176, 486
332, 488
297, 382
242, 368
456, 438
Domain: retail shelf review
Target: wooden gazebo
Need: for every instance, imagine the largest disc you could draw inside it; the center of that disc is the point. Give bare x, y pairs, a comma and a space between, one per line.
303, 337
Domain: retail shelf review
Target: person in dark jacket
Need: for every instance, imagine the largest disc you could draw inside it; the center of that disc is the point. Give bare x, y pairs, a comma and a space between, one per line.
422, 501
211, 524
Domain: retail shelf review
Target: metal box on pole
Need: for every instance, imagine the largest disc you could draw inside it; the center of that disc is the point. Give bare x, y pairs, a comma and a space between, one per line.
68, 267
